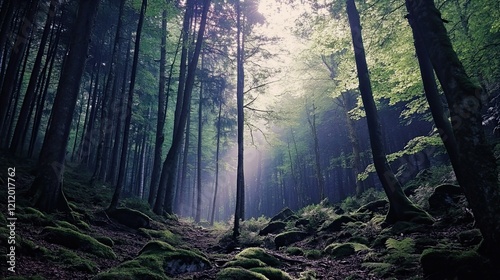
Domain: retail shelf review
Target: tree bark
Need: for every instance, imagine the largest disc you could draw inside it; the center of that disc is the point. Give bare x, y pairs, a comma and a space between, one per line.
477, 170
217, 152
128, 114
400, 207
47, 185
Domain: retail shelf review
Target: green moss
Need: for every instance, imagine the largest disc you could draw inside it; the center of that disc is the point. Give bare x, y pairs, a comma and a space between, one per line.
313, 254
294, 251
339, 250
76, 240
164, 235
72, 261
30, 248
260, 254
245, 263
290, 237
105, 240
130, 217
445, 263
33, 216
65, 224
142, 267
156, 246
272, 273
83, 225
233, 273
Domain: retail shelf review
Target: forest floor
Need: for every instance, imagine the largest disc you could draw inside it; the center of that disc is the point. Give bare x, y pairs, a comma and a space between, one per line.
377, 252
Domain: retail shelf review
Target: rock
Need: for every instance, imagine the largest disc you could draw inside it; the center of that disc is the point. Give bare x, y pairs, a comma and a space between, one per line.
453, 264
378, 206
340, 250
337, 210
259, 254
336, 224
245, 263
76, 240
273, 227
444, 196
287, 238
233, 273
302, 222
283, 215
272, 273
130, 218
470, 237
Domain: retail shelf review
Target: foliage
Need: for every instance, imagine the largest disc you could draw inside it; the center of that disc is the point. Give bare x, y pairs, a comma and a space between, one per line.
260, 254
352, 203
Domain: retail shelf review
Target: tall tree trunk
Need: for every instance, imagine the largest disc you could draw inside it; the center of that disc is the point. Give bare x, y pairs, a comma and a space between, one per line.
160, 122
217, 152
128, 116
166, 204
400, 207
199, 152
240, 84
47, 186
477, 172
311, 119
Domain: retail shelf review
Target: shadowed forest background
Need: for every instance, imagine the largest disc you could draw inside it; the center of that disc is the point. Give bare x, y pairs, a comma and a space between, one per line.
221, 114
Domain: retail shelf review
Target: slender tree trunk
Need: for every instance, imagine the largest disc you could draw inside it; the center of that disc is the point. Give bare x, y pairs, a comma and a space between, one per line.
199, 152
477, 172
217, 152
160, 122
166, 204
400, 207
128, 116
319, 174
240, 84
47, 186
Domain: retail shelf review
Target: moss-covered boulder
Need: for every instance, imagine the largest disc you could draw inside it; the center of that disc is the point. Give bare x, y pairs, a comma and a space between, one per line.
175, 261
340, 250
283, 215
158, 260
259, 254
454, 264
290, 237
378, 206
445, 196
105, 240
163, 235
245, 263
76, 240
72, 261
130, 217
273, 227
336, 224
470, 237
233, 273
272, 273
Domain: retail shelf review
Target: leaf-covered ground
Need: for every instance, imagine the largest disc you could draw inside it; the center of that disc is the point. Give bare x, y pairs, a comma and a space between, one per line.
318, 242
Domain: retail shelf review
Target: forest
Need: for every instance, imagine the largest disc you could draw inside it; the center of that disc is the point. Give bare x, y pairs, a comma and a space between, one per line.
250, 139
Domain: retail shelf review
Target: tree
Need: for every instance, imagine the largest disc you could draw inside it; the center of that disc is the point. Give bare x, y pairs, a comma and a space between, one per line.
128, 114
400, 207
240, 84
47, 186
477, 172
164, 200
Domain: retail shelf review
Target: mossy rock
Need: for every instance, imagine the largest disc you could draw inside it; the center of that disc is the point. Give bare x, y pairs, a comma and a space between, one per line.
72, 261
260, 254
105, 240
273, 227
232, 273
336, 224
454, 264
143, 267
175, 261
313, 254
65, 224
245, 263
76, 240
404, 227
378, 206
33, 216
444, 196
163, 235
130, 218
283, 215
340, 250
470, 237
272, 273
294, 251
30, 248
302, 222
290, 237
